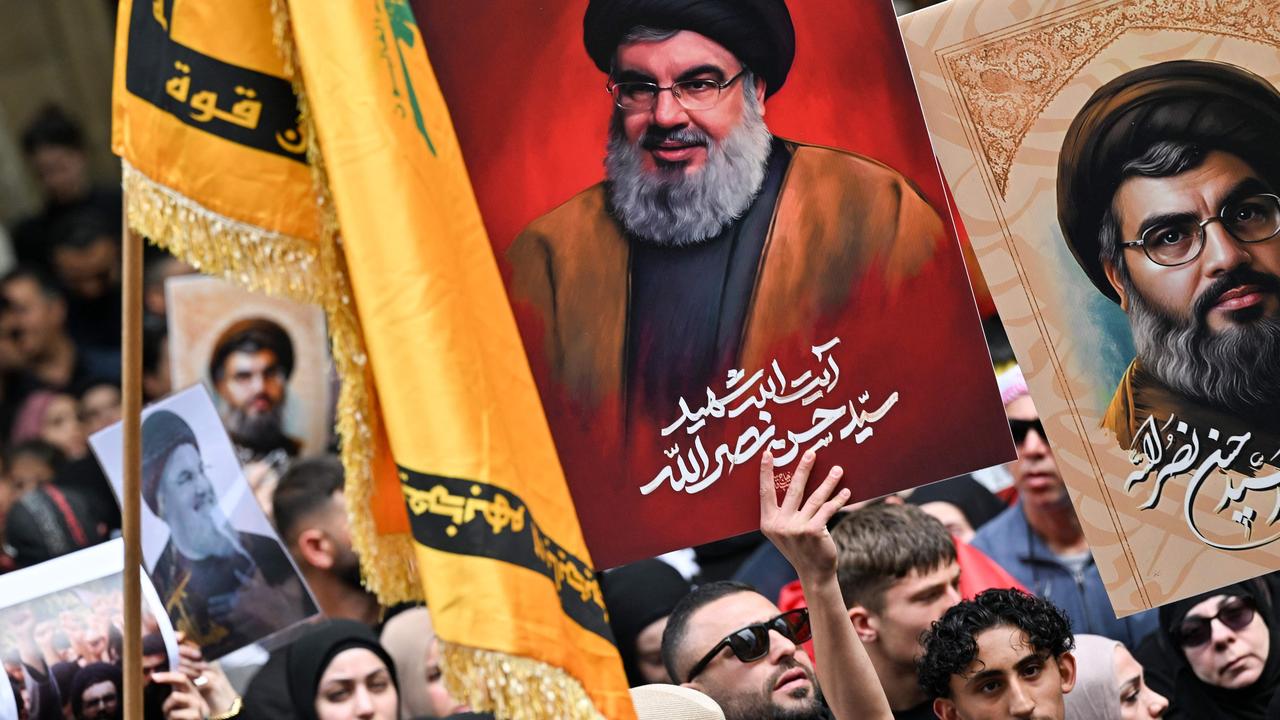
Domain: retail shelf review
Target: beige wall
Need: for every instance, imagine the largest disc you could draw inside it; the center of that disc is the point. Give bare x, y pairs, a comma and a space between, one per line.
53, 51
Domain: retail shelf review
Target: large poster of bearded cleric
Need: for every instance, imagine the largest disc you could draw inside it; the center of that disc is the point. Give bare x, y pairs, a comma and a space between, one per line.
1116, 166
724, 233
222, 573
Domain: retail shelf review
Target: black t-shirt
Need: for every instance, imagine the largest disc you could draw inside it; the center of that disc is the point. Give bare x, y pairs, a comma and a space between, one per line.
923, 711
688, 305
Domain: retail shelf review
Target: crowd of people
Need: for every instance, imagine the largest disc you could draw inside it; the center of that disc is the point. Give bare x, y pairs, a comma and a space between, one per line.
945, 629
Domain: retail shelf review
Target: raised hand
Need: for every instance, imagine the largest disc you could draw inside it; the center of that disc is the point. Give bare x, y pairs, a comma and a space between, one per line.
799, 530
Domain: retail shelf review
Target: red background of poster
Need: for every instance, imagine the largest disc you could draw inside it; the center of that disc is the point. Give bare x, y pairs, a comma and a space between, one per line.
531, 114
533, 137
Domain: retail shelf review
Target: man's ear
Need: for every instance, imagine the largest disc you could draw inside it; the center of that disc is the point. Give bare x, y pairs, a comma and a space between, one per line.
315, 548
1067, 668
1113, 277
759, 91
945, 709
864, 624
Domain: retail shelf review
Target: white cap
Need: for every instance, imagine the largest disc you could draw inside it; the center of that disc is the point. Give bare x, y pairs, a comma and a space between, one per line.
673, 702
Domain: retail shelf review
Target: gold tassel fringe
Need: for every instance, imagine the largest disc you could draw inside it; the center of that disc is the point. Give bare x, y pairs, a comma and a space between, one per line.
388, 561
299, 270
512, 687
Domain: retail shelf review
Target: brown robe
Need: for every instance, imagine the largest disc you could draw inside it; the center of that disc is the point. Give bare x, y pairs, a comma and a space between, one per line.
838, 214
1140, 395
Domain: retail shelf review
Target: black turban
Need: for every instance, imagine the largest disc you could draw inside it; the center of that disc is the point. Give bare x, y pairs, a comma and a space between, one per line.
1212, 105
162, 433
758, 32
94, 674
251, 335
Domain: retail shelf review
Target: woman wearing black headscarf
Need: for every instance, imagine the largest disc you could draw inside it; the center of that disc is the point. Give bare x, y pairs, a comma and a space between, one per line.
640, 596
1215, 655
339, 671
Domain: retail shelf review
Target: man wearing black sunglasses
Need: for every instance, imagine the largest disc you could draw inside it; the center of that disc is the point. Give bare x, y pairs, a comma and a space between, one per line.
730, 642
1167, 196
1039, 540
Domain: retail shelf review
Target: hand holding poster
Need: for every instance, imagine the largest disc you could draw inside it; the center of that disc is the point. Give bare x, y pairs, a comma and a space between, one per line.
1118, 179
223, 575
737, 247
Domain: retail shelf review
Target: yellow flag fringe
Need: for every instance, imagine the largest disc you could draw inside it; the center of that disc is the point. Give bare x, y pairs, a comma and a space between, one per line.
512, 687
388, 561
303, 271
509, 686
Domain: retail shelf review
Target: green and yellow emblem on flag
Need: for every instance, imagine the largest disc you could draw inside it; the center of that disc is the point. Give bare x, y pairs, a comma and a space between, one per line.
304, 149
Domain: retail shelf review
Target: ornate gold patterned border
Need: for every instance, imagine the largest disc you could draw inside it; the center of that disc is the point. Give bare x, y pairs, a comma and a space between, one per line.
1008, 80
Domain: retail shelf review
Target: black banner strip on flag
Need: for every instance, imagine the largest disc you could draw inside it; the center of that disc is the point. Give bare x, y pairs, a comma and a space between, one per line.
238, 104
472, 518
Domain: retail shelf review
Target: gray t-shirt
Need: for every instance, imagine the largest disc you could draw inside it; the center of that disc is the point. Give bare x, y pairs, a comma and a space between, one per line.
1076, 562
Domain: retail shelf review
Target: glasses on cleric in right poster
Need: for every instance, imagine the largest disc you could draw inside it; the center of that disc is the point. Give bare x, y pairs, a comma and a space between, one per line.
1119, 181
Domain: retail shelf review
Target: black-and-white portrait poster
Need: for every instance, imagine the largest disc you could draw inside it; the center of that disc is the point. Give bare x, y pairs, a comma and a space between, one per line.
216, 562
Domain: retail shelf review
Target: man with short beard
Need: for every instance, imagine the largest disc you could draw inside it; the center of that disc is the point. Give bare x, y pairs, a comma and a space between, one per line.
699, 650
310, 514
712, 243
224, 588
250, 367
1167, 197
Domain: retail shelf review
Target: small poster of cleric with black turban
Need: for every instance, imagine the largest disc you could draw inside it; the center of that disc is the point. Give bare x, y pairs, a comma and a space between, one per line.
723, 233
1120, 182
264, 359
62, 637
216, 562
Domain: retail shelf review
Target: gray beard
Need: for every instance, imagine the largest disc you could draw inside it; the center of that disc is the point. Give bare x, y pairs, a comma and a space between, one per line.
211, 536
1237, 369
669, 208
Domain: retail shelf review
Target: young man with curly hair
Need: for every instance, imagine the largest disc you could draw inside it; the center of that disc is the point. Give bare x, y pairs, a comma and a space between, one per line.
1004, 654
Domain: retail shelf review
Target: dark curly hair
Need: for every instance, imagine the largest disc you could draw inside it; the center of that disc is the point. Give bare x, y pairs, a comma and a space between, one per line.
951, 644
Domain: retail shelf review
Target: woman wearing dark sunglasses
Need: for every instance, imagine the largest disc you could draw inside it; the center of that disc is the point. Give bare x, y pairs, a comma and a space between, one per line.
1215, 654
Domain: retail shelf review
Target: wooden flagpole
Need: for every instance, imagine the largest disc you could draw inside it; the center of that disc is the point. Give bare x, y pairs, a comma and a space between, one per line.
131, 510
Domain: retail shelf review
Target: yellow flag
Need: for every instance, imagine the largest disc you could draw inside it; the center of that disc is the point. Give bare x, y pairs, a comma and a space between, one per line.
219, 168
207, 123
255, 133
506, 571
